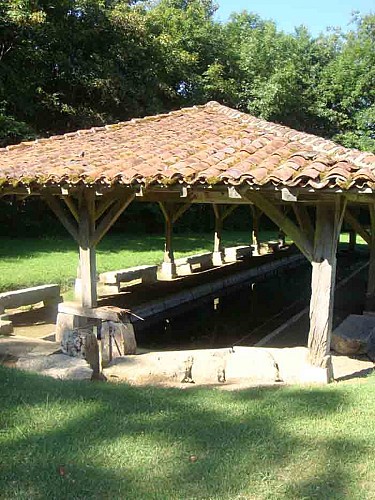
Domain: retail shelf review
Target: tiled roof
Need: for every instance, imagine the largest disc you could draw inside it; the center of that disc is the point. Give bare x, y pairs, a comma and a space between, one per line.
204, 144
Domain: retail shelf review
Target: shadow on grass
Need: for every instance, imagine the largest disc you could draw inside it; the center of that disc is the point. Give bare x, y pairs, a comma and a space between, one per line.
82, 440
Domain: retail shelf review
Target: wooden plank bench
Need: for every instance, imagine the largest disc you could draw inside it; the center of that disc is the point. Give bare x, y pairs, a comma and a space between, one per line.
111, 281
191, 263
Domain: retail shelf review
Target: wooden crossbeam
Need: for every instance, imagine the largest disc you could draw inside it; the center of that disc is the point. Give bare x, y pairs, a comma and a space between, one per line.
56, 206
358, 228
283, 222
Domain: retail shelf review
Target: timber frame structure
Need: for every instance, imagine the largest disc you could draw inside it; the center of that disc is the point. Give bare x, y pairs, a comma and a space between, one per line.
206, 154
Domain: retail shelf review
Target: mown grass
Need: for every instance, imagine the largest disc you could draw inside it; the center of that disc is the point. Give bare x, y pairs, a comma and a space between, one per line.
87, 440
29, 262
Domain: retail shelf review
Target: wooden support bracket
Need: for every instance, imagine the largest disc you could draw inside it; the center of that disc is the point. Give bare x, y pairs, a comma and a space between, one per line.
283, 222
173, 211
70, 203
57, 208
304, 220
110, 217
358, 228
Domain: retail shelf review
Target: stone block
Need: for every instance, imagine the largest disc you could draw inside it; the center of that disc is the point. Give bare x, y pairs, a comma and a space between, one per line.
355, 336
6, 327
168, 270
27, 296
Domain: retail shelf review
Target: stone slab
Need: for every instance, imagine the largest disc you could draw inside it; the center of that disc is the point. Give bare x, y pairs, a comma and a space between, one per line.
57, 366
26, 296
355, 336
6, 327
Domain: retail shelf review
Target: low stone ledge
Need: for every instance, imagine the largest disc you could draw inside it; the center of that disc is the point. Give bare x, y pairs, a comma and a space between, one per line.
48, 294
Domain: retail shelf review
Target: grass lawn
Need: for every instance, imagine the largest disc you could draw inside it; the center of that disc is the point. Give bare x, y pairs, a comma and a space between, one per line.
29, 262
87, 440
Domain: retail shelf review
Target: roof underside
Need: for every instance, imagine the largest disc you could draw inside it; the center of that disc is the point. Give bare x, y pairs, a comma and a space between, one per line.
205, 145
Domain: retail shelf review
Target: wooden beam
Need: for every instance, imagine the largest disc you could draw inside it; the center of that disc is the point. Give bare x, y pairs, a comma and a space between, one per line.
218, 237
358, 228
104, 203
370, 292
168, 266
56, 206
70, 203
255, 241
304, 220
282, 221
180, 211
87, 256
110, 217
327, 231
172, 210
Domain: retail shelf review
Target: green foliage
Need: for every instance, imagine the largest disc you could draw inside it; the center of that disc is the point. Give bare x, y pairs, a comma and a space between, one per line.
70, 64
347, 88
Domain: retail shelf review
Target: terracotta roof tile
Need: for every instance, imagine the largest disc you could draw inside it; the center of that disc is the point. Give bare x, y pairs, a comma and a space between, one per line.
210, 143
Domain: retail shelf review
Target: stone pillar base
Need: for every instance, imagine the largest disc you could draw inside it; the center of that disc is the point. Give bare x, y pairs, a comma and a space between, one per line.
255, 252
6, 326
217, 259
168, 270
315, 375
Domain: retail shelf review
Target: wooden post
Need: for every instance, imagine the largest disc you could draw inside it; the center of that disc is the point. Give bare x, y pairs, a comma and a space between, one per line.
218, 254
87, 256
352, 240
168, 266
370, 293
255, 242
221, 213
172, 212
328, 224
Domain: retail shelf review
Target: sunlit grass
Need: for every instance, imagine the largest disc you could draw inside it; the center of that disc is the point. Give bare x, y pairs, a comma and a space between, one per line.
29, 262
88, 440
